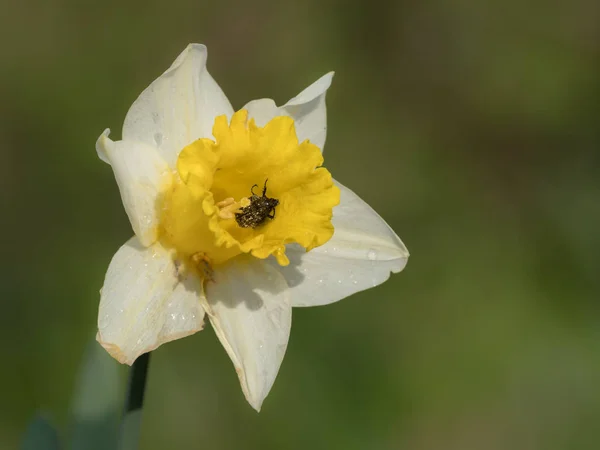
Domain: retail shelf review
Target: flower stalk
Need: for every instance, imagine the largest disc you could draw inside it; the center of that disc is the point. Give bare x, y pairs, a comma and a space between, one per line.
134, 402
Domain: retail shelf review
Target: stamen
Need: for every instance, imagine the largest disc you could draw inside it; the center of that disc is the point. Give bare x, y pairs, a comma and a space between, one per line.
224, 203
227, 208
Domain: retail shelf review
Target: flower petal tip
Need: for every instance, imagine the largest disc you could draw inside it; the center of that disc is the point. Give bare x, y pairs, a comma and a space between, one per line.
256, 407
313, 91
114, 351
101, 146
193, 46
401, 264
256, 403
192, 50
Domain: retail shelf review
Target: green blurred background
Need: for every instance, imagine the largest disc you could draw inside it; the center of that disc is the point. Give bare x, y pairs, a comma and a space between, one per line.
472, 127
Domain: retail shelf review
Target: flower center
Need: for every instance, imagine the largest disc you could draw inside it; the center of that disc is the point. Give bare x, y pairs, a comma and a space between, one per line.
252, 190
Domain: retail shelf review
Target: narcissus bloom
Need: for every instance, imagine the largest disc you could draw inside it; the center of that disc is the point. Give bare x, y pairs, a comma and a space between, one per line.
235, 218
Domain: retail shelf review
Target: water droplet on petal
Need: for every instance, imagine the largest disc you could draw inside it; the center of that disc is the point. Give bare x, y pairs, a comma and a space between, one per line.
103, 321
158, 138
372, 255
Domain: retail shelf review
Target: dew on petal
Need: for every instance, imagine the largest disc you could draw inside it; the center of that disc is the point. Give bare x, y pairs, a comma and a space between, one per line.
103, 322
158, 137
372, 255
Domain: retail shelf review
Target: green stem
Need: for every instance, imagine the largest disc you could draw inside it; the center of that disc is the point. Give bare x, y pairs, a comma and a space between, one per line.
134, 402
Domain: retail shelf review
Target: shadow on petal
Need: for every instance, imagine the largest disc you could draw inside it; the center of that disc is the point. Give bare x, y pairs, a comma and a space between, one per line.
294, 275
246, 279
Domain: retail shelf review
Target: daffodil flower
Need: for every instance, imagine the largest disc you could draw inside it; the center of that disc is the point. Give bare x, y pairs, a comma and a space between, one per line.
195, 177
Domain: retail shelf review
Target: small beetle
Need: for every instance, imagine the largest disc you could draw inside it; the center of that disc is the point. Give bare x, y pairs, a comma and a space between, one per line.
258, 210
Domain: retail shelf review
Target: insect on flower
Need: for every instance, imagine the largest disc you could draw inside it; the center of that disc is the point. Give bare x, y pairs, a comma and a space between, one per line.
258, 210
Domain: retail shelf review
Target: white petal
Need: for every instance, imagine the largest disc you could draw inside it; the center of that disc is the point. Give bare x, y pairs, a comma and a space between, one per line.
360, 255
249, 308
145, 302
263, 110
140, 173
307, 109
179, 107
101, 146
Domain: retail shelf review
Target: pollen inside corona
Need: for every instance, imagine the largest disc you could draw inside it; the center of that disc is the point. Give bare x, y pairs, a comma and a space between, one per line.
213, 210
